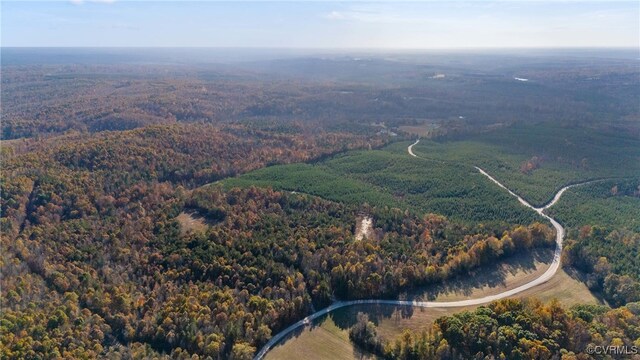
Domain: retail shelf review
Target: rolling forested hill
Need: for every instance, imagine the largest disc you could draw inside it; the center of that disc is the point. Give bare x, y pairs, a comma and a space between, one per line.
194, 210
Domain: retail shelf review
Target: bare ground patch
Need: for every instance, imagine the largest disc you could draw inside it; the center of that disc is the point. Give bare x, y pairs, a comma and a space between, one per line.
364, 227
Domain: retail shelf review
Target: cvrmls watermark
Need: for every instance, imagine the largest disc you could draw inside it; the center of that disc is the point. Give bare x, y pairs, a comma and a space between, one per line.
612, 350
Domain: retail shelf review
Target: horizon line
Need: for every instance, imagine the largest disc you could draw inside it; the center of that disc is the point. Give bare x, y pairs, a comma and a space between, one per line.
324, 48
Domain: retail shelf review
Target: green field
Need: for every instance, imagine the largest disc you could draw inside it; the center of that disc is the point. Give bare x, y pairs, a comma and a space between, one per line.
390, 178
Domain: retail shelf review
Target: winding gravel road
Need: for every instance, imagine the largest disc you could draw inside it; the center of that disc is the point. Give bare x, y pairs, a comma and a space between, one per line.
410, 148
446, 304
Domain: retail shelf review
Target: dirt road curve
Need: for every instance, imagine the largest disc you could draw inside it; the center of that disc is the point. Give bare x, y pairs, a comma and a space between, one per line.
555, 265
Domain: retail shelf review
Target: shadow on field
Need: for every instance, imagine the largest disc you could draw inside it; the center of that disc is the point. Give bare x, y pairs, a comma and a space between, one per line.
491, 276
580, 276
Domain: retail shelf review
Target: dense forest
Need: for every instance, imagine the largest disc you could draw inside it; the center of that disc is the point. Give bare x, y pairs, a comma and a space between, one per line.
81, 216
607, 203
106, 167
93, 244
604, 236
610, 258
511, 329
537, 160
122, 90
265, 261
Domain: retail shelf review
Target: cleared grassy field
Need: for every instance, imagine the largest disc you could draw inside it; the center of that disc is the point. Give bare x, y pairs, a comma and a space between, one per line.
568, 289
511, 273
323, 341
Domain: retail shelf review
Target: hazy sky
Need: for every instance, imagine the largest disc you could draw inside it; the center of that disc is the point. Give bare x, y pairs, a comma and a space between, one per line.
411, 25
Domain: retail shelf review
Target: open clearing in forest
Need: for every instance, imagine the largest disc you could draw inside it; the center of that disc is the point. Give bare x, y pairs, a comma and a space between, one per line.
325, 341
509, 274
364, 227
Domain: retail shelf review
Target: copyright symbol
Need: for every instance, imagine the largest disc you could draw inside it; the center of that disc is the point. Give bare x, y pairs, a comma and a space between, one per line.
590, 349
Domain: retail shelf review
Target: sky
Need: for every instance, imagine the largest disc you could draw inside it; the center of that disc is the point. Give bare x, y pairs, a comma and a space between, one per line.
322, 25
